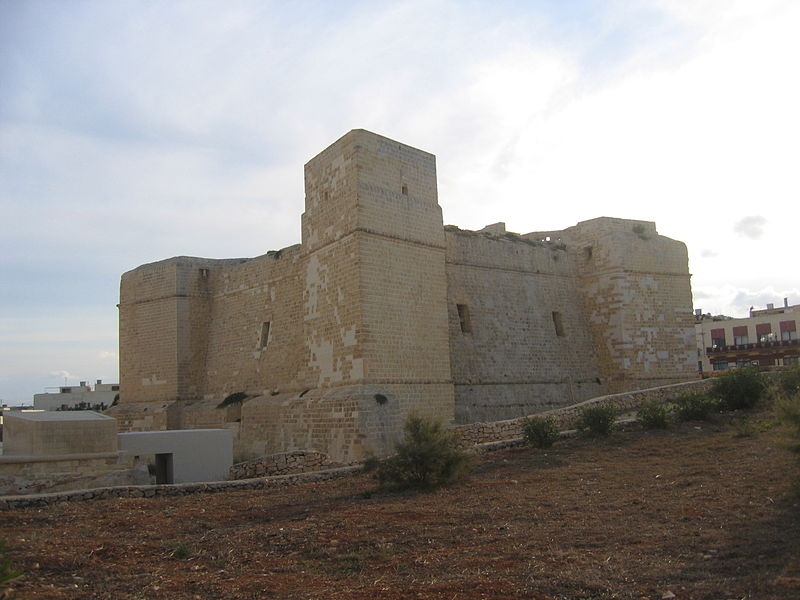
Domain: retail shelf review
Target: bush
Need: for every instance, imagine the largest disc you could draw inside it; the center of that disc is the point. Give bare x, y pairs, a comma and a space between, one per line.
789, 381
540, 432
181, 550
235, 398
739, 388
597, 419
695, 407
789, 409
7, 571
653, 415
428, 456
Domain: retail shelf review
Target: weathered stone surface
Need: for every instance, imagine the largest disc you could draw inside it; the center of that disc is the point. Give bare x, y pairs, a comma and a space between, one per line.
280, 464
483, 437
382, 311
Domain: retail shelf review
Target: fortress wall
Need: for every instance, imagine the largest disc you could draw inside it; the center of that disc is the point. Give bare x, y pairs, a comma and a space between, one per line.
512, 361
330, 316
403, 281
364, 326
267, 289
404, 312
345, 422
638, 300
374, 306
148, 325
331, 194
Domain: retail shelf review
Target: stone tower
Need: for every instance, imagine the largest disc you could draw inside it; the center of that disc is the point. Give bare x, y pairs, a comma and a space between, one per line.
637, 294
375, 306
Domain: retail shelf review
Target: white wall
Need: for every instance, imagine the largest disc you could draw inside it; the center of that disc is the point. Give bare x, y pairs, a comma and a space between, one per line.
197, 454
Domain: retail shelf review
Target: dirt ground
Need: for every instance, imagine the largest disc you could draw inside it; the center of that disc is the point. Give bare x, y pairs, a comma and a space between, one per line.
704, 510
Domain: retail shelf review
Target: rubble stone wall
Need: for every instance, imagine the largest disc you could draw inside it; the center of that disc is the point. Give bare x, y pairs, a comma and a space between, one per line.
566, 417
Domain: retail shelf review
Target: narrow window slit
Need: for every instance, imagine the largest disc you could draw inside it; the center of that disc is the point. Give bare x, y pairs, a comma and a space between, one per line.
463, 318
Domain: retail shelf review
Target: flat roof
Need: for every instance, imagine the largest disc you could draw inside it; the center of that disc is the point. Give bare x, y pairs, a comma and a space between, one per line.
58, 415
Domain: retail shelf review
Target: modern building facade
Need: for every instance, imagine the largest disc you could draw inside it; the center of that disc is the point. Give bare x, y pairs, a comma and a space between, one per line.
768, 337
83, 396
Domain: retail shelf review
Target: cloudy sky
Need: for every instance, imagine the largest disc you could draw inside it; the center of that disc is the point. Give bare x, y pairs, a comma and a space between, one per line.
132, 131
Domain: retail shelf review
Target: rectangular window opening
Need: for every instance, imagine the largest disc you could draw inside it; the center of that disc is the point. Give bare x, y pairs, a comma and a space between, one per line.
404, 190
764, 332
463, 318
265, 334
558, 323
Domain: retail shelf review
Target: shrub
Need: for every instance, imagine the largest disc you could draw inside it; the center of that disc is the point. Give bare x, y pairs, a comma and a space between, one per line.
695, 407
789, 381
540, 432
428, 456
234, 398
653, 415
739, 388
181, 550
789, 409
7, 571
597, 419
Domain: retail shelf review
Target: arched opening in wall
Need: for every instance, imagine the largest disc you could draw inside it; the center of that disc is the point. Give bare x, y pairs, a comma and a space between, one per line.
588, 252
404, 190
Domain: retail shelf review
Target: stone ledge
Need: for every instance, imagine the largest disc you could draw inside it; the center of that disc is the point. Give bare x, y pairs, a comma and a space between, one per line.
24, 458
177, 489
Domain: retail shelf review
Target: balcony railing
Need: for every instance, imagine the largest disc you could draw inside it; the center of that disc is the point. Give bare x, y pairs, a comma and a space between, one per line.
752, 346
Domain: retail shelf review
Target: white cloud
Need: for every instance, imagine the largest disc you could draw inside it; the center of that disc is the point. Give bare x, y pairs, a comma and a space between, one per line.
191, 139
735, 301
750, 227
66, 375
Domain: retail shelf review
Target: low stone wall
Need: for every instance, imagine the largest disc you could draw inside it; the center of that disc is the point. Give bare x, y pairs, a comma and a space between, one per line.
284, 463
482, 436
496, 431
42, 474
179, 489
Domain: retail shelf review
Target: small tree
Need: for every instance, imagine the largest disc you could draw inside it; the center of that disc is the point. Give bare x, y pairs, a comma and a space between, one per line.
739, 388
597, 419
540, 432
428, 456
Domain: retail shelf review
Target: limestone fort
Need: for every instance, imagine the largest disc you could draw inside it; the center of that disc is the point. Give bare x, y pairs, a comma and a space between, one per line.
382, 311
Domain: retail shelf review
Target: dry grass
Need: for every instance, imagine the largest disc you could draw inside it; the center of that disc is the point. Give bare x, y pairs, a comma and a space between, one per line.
698, 510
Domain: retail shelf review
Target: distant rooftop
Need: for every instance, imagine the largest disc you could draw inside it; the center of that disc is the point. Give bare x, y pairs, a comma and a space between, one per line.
52, 415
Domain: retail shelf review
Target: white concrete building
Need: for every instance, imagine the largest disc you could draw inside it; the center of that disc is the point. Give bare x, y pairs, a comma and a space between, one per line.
768, 337
99, 397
